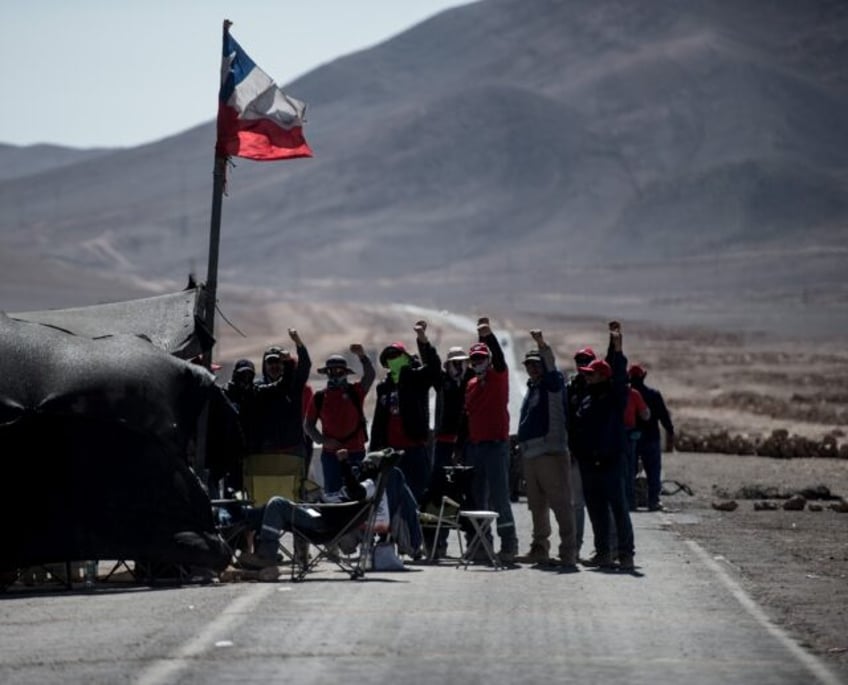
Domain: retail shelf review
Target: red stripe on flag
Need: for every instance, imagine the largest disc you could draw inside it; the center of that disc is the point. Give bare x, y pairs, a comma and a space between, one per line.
259, 139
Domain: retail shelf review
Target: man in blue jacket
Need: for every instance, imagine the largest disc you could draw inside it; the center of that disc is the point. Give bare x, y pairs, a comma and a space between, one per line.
547, 464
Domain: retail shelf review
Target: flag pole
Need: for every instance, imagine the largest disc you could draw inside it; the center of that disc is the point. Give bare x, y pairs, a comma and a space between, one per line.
210, 296
219, 182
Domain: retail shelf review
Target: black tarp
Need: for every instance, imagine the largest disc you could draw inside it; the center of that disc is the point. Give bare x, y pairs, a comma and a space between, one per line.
93, 443
172, 322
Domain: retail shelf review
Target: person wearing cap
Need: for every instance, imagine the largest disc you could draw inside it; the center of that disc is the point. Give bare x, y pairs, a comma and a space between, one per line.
339, 408
635, 412
648, 446
575, 391
402, 410
547, 464
487, 448
599, 438
448, 432
279, 420
240, 391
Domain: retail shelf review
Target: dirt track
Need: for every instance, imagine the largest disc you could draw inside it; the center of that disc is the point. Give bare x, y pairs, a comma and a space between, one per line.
794, 563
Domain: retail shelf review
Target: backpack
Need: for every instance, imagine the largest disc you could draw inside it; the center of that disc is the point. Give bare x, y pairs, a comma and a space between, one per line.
353, 396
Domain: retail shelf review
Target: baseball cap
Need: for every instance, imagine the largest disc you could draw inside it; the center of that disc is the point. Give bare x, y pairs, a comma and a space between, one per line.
479, 349
390, 351
533, 356
599, 366
585, 353
637, 371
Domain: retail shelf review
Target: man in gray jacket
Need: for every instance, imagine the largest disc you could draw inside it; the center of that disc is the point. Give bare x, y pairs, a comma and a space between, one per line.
547, 468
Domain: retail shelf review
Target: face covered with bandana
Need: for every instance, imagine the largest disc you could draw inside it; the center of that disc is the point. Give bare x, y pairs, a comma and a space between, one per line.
396, 364
336, 377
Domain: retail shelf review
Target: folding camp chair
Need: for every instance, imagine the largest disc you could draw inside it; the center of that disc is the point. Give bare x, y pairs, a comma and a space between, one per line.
435, 519
441, 511
266, 475
345, 520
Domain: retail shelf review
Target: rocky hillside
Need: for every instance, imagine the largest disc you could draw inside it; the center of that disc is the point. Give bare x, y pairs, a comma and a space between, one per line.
675, 161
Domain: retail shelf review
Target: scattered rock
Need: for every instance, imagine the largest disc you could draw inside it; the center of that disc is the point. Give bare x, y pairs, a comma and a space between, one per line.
725, 505
795, 503
765, 505
814, 506
816, 492
779, 445
841, 506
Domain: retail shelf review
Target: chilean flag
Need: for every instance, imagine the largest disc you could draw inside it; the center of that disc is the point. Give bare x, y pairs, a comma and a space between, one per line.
256, 120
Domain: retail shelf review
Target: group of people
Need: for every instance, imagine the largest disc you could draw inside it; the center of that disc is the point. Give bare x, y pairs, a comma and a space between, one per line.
580, 438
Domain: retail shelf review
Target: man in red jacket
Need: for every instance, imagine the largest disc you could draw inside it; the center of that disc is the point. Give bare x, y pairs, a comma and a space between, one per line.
487, 449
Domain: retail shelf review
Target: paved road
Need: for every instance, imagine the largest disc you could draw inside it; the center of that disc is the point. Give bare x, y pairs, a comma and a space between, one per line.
680, 619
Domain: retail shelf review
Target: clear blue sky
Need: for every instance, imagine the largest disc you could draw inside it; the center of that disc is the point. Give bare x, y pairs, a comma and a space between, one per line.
95, 73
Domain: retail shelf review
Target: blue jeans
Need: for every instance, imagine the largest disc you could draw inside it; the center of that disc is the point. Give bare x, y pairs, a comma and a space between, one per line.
333, 472
280, 514
631, 464
603, 488
490, 486
651, 454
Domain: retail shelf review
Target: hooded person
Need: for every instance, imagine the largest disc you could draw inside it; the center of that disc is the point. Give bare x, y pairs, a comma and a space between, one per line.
277, 446
402, 410
338, 407
280, 413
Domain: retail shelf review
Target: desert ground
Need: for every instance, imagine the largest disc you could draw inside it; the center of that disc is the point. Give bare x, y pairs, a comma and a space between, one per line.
735, 385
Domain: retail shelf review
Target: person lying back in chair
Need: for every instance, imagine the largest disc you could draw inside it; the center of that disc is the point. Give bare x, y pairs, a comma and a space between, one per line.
280, 514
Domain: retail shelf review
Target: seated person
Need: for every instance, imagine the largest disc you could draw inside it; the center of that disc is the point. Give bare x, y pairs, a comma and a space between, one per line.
280, 514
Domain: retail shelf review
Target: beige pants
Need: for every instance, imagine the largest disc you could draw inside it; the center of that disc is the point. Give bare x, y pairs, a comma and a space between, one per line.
549, 489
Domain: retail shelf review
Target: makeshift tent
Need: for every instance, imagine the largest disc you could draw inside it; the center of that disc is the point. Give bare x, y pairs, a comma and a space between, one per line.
172, 322
93, 436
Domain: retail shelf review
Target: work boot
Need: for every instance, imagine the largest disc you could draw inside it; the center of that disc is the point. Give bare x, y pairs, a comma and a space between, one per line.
600, 560
255, 561
506, 556
537, 555
625, 562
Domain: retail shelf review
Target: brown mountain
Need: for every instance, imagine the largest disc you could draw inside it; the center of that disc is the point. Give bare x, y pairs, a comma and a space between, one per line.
671, 161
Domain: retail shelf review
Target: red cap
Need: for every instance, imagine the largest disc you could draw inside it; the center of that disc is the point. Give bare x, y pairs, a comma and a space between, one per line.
637, 371
585, 352
598, 365
479, 349
390, 351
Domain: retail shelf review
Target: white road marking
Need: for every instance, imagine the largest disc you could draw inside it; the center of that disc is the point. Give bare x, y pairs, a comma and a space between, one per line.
165, 670
812, 663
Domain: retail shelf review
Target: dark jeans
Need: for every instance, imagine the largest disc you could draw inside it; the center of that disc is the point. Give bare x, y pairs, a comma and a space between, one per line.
415, 464
630, 470
280, 514
333, 481
651, 454
603, 488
